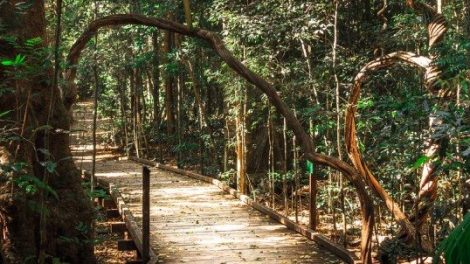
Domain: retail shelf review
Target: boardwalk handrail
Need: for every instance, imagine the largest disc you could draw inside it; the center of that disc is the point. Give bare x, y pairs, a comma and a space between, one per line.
131, 223
145, 214
127, 216
320, 239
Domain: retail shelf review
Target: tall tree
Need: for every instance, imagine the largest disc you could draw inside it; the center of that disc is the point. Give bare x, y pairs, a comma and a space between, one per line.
156, 78
169, 80
65, 202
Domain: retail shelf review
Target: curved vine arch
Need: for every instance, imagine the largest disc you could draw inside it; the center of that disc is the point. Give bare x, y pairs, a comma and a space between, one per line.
306, 142
437, 28
350, 134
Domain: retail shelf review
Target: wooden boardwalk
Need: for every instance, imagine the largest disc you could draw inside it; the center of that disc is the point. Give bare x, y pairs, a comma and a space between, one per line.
195, 222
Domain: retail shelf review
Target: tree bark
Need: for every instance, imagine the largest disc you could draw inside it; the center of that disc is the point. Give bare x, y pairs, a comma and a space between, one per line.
134, 110
169, 84
240, 151
156, 79
187, 13
122, 87
19, 222
467, 18
338, 113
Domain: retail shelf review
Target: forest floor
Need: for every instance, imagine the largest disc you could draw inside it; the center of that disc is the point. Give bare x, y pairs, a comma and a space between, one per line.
106, 250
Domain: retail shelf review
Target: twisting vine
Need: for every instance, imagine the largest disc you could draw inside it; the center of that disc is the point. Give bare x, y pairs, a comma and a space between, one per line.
437, 28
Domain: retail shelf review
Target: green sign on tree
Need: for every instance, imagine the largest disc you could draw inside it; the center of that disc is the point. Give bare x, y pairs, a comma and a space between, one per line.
309, 167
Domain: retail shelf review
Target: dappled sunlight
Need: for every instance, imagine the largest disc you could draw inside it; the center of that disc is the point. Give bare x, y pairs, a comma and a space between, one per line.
111, 174
187, 214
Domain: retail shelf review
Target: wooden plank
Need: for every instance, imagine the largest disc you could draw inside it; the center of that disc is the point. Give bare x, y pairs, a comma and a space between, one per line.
112, 213
127, 216
243, 257
202, 221
312, 203
126, 245
287, 252
118, 227
256, 229
145, 214
173, 233
307, 232
135, 261
131, 224
248, 245
107, 203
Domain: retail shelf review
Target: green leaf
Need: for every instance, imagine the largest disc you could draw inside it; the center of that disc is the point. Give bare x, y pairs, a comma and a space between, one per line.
18, 61
365, 103
30, 184
7, 62
97, 194
456, 247
18, 166
23, 6
31, 189
33, 42
50, 166
420, 162
5, 113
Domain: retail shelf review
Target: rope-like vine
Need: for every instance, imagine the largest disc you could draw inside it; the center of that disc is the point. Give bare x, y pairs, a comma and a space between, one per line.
436, 30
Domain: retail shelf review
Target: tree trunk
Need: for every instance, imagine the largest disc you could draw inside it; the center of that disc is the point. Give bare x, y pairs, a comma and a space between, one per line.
122, 87
156, 79
467, 18
201, 113
284, 165
187, 13
169, 85
338, 114
134, 110
295, 163
240, 144
141, 111
179, 123
271, 169
95, 117
19, 221
197, 95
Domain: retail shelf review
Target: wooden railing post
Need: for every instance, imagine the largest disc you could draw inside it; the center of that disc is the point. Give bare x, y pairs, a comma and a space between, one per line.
145, 214
312, 196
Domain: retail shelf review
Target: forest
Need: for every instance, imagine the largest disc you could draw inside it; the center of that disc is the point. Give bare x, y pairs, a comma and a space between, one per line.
349, 119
